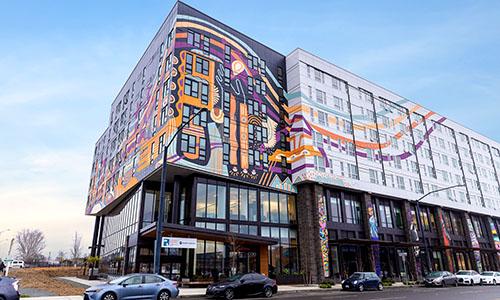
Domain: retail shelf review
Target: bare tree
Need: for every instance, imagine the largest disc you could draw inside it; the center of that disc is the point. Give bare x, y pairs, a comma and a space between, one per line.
76, 248
234, 246
30, 244
60, 256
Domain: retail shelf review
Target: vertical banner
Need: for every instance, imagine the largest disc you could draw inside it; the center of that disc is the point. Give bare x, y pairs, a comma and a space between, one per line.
475, 244
374, 237
447, 239
495, 237
323, 235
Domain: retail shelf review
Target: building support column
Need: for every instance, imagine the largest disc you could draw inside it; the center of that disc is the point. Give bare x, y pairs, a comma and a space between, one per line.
368, 203
263, 260
96, 235
99, 245
176, 197
311, 261
412, 258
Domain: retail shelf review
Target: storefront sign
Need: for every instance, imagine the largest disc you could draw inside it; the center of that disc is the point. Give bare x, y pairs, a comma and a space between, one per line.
323, 235
475, 244
172, 242
374, 237
495, 237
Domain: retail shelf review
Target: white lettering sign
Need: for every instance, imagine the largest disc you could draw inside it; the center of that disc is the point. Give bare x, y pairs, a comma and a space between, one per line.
172, 242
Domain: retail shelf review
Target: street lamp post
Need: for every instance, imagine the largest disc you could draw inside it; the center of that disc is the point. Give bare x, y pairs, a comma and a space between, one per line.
427, 256
159, 223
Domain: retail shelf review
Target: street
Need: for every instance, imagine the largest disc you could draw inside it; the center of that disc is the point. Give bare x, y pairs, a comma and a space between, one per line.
417, 293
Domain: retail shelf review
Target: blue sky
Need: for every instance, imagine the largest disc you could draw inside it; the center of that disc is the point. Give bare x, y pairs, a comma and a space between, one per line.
63, 62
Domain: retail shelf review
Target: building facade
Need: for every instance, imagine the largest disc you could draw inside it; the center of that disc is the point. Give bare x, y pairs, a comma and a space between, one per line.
297, 165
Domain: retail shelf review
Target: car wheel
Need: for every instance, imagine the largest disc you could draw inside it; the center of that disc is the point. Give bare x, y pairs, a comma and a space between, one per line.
361, 287
268, 292
164, 295
380, 286
109, 296
494, 282
229, 294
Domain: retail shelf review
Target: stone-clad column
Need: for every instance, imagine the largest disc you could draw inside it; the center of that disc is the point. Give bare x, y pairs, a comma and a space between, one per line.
365, 200
309, 238
411, 259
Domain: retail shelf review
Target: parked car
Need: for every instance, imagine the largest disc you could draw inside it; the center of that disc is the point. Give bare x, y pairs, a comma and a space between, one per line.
490, 277
240, 285
362, 281
134, 286
468, 277
9, 288
441, 278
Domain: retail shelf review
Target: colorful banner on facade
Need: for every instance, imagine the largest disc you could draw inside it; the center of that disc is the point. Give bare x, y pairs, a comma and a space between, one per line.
495, 237
323, 235
447, 242
374, 237
475, 244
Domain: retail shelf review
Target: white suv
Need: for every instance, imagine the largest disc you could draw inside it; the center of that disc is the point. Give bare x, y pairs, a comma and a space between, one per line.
468, 277
16, 264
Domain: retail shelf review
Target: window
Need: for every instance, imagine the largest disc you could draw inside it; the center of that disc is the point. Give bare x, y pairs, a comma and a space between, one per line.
152, 151
210, 200
227, 76
193, 38
336, 209
189, 63
373, 176
202, 66
227, 54
385, 214
352, 209
277, 207
161, 143
280, 75
401, 182
321, 118
370, 154
250, 84
352, 171
225, 155
191, 88
338, 103
206, 45
226, 126
226, 101
320, 96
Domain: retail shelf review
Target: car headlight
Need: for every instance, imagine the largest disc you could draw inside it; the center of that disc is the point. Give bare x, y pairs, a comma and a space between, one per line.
342, 281
94, 291
355, 281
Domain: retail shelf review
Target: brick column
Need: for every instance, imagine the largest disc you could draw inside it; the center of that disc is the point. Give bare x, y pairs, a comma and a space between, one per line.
309, 240
365, 198
411, 259
441, 227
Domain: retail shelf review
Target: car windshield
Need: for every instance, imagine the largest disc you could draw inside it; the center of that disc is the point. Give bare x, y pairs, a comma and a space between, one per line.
355, 276
463, 273
487, 273
235, 277
436, 274
118, 280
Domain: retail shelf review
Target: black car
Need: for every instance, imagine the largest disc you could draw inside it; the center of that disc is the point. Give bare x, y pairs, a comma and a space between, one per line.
441, 278
241, 285
9, 288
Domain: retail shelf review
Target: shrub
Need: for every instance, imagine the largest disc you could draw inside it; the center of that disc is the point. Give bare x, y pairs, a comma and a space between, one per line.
386, 283
325, 285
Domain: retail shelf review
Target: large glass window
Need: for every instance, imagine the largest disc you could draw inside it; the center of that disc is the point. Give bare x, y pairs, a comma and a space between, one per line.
352, 209
385, 214
277, 207
210, 201
336, 210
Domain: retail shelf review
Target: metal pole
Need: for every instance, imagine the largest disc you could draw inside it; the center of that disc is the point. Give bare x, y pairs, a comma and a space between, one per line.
159, 223
422, 228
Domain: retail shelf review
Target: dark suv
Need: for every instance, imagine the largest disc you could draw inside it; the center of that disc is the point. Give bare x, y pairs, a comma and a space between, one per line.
361, 281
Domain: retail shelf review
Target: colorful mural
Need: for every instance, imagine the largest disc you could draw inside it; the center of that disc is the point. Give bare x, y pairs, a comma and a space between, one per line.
374, 237
323, 236
204, 66
447, 242
496, 239
475, 244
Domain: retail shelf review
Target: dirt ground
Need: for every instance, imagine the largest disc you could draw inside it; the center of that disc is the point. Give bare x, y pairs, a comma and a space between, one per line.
43, 278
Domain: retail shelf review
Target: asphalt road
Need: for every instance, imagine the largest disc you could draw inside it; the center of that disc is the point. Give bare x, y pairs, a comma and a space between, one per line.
411, 293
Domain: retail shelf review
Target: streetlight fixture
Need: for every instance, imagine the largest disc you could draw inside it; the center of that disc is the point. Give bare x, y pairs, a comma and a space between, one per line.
159, 223
427, 256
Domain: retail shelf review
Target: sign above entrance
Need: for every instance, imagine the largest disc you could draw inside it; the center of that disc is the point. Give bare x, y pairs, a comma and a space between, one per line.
172, 242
